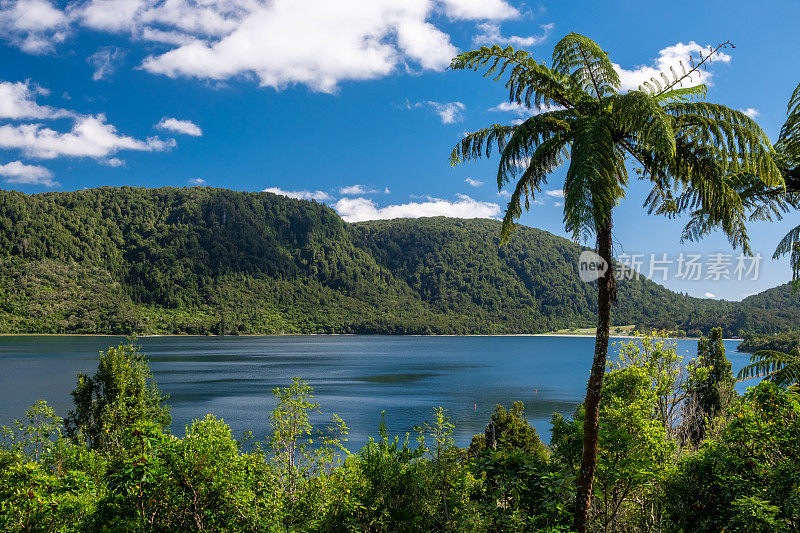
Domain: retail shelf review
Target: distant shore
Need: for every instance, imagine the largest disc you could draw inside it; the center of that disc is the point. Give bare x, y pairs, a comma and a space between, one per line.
181, 335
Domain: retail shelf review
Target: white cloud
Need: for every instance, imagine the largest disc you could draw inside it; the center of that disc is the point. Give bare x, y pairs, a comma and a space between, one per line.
356, 189
709, 295
300, 195
18, 101
504, 194
490, 34
317, 43
20, 173
751, 112
105, 61
449, 112
670, 57
473, 182
522, 110
358, 209
352, 40
34, 26
114, 162
479, 9
90, 136
186, 127
197, 182
555, 193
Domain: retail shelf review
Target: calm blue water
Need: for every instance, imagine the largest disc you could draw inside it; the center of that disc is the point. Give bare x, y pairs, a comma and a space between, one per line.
355, 377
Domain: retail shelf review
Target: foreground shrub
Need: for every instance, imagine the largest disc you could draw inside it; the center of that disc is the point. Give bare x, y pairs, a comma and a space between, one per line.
749, 480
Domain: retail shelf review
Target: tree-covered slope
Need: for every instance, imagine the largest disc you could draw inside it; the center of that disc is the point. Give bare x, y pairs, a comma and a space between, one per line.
457, 264
200, 260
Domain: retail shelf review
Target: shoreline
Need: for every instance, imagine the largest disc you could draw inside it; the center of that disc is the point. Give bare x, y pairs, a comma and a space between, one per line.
580, 335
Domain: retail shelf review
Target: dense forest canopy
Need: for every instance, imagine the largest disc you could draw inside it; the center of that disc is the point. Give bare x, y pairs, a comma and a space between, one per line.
203, 260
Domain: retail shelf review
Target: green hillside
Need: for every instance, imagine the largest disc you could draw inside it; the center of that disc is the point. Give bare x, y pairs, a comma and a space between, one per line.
203, 260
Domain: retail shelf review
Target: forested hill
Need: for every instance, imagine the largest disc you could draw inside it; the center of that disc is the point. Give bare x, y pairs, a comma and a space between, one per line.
203, 260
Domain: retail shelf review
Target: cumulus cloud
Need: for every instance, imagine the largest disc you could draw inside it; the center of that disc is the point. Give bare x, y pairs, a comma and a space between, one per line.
34, 26
105, 61
22, 174
751, 112
358, 209
473, 182
555, 193
449, 112
490, 34
671, 57
90, 136
197, 182
18, 101
221, 39
479, 9
354, 40
187, 127
300, 195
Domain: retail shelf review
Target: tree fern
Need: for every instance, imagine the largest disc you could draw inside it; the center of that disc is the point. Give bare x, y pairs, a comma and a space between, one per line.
699, 157
781, 368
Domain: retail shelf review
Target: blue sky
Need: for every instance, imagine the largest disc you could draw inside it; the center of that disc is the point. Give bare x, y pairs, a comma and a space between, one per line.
316, 97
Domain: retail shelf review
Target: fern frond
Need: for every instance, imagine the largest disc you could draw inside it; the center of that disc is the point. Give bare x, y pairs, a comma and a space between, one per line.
738, 143
771, 365
788, 144
480, 143
526, 138
677, 80
548, 156
584, 61
595, 179
529, 82
639, 116
684, 94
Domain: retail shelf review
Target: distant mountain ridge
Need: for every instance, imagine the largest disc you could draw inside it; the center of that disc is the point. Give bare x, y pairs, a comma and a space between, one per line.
204, 260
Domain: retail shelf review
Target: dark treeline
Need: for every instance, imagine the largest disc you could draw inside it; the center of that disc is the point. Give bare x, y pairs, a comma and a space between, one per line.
679, 450
201, 260
785, 341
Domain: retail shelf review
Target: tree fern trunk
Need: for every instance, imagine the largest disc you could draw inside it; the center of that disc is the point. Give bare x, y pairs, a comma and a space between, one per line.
606, 295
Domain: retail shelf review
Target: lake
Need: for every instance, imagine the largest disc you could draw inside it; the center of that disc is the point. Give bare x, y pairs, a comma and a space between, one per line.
355, 377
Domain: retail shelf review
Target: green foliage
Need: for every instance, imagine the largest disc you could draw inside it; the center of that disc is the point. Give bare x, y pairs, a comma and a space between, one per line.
748, 479
512, 432
743, 478
778, 367
36, 435
667, 372
697, 155
388, 489
711, 388
779, 342
634, 450
310, 272
121, 393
